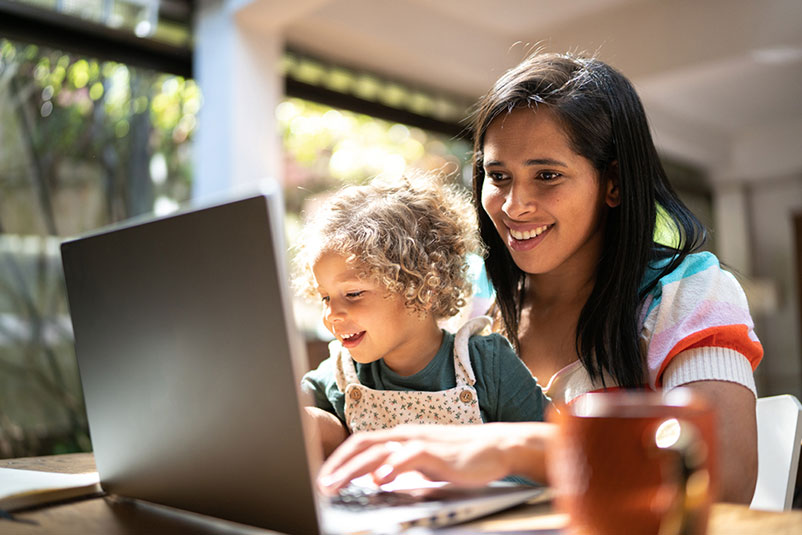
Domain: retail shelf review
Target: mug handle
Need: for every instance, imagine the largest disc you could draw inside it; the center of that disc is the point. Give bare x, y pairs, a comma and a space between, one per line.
687, 460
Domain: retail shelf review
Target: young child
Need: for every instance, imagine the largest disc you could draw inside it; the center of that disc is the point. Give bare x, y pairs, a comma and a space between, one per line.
388, 261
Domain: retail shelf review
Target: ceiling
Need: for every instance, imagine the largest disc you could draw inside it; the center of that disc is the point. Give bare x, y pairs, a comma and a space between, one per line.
721, 79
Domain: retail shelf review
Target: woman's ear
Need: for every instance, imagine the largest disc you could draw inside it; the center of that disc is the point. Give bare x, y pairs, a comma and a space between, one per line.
612, 194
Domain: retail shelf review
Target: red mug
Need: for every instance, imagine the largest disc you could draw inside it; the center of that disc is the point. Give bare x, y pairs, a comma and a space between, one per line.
635, 463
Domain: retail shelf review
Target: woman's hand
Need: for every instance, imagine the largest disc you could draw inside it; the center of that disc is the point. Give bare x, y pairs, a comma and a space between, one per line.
470, 455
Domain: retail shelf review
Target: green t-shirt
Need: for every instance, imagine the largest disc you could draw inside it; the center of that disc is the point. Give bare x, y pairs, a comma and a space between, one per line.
505, 388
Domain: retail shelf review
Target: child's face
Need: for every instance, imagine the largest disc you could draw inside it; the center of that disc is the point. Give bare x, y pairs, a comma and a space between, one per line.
370, 322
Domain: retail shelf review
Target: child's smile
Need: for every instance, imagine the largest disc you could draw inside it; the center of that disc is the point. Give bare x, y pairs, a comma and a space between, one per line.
351, 340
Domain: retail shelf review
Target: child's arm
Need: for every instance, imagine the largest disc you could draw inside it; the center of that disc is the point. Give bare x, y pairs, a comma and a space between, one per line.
328, 407
328, 429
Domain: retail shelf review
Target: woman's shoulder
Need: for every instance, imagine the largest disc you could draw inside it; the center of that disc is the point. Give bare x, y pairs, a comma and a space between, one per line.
692, 265
697, 310
697, 275
698, 287
697, 294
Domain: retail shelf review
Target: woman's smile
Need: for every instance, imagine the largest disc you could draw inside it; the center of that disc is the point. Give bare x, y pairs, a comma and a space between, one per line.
523, 239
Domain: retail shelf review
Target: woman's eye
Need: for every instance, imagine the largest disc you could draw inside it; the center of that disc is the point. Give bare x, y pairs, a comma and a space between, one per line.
548, 176
495, 176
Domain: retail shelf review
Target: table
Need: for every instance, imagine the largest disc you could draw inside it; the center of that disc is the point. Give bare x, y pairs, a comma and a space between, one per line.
109, 516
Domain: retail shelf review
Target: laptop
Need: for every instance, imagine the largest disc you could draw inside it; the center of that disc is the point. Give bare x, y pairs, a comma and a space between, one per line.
190, 362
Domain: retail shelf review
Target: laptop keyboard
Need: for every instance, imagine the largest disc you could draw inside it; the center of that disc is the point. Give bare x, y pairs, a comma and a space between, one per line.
366, 498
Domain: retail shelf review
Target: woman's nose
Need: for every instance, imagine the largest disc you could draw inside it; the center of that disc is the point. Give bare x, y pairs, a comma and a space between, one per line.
519, 201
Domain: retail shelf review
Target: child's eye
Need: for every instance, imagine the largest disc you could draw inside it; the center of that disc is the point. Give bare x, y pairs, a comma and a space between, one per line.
325, 298
354, 295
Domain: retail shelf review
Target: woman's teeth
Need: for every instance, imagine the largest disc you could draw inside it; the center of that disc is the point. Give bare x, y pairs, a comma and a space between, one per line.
527, 234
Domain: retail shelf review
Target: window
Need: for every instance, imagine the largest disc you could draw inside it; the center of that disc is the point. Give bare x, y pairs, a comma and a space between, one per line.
83, 143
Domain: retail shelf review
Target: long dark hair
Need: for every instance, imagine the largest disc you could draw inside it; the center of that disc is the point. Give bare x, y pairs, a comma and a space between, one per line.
605, 122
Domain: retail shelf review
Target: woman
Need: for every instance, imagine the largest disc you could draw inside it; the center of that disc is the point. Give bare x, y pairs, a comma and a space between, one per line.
570, 189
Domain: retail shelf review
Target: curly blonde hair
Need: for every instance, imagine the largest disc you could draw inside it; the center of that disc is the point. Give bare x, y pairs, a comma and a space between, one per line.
410, 235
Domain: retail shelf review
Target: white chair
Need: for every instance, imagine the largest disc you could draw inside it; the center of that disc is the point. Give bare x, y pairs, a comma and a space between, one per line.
779, 435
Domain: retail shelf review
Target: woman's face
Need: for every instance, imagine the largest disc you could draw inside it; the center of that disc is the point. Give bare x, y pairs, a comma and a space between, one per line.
544, 199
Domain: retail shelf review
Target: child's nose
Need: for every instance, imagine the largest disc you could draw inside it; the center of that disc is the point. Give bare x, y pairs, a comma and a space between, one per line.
334, 313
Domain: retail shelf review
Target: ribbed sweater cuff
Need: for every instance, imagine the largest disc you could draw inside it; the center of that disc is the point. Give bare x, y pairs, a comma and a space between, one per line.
709, 364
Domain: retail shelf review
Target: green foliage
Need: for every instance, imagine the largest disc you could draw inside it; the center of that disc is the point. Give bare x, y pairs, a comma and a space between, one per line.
83, 144
85, 108
326, 147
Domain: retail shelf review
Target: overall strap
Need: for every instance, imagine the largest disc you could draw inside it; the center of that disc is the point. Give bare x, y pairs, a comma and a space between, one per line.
345, 371
462, 358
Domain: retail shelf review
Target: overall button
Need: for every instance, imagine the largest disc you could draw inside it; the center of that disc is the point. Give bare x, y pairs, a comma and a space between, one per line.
466, 396
356, 394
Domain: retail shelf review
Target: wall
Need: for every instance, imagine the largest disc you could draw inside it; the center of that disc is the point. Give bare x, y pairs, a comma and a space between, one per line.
772, 204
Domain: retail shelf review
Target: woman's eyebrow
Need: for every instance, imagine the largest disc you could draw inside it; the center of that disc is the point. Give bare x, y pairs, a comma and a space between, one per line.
530, 162
545, 161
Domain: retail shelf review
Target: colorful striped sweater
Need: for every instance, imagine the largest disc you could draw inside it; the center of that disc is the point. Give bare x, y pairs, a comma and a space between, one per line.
695, 326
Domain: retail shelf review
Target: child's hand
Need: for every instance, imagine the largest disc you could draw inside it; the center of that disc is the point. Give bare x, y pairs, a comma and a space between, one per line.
330, 430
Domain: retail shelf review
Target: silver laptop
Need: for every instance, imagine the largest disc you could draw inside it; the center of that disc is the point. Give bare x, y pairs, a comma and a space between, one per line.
190, 361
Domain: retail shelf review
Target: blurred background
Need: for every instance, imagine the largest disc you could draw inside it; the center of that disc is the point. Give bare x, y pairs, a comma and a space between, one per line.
115, 108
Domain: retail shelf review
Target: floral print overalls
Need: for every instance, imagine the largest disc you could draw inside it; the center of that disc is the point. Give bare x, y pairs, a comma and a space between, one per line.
367, 409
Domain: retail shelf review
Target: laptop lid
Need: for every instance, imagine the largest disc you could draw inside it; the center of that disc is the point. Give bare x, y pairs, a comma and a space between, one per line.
183, 327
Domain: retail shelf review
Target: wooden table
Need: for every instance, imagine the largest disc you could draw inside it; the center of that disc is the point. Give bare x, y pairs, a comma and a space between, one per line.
109, 516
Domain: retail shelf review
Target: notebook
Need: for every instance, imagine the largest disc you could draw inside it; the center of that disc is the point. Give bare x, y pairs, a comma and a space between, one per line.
20, 489
190, 362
